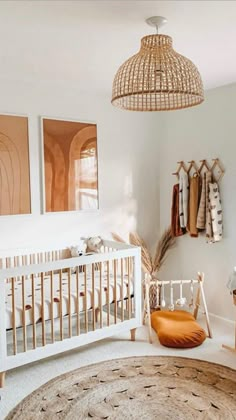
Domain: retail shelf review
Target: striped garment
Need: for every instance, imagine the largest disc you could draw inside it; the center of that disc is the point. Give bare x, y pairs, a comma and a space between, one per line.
203, 217
183, 200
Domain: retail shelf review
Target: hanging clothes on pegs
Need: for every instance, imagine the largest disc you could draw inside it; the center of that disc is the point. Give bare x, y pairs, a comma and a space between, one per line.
191, 207
194, 193
201, 216
209, 232
216, 212
183, 199
175, 223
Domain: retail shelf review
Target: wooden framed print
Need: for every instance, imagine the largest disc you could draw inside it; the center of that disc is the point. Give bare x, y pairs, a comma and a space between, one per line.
14, 165
70, 165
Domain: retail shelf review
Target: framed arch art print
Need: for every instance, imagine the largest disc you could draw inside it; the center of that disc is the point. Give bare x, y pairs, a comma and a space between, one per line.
15, 198
70, 165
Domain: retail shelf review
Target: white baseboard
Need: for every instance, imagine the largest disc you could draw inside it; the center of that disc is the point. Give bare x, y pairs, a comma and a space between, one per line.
221, 318
201, 312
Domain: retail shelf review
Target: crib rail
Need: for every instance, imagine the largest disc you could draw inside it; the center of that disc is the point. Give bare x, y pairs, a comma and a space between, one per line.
33, 258
65, 303
24, 257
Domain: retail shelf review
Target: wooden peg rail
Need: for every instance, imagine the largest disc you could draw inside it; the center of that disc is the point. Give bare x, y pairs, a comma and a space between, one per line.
215, 168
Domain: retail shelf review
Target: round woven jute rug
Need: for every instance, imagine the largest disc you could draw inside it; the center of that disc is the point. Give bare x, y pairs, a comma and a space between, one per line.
148, 388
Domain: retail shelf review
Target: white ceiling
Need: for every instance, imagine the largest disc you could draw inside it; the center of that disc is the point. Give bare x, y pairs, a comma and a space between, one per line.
83, 43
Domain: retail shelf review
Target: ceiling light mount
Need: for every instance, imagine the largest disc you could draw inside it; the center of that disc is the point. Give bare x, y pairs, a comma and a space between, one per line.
156, 21
157, 78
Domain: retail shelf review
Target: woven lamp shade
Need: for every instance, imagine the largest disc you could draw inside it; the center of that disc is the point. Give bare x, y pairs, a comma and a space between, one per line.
157, 78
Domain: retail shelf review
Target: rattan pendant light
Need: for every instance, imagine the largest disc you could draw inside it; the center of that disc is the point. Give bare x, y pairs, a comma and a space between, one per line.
157, 78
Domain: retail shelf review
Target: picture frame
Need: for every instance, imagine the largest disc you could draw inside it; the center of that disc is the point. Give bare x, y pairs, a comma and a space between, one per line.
15, 171
69, 158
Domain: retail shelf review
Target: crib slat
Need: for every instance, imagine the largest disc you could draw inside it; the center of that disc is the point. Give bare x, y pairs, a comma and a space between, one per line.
108, 294
69, 303
129, 303
101, 292
132, 284
115, 291
42, 310
122, 288
85, 297
93, 297
60, 306
8, 262
14, 316
77, 301
23, 312
33, 312
24, 259
15, 261
52, 306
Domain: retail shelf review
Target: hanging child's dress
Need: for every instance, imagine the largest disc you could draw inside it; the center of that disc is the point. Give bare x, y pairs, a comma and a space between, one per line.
183, 200
216, 212
194, 193
175, 223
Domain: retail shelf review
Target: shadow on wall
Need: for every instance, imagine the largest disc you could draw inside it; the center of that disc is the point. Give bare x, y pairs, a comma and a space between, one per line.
122, 219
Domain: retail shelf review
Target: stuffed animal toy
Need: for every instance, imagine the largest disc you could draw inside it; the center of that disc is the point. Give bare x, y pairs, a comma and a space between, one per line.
93, 244
78, 250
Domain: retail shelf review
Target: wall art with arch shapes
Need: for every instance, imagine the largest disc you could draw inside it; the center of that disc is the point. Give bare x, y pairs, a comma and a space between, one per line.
14, 166
70, 165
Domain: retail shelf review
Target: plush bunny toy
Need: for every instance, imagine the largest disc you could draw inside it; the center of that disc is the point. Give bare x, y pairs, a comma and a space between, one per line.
93, 244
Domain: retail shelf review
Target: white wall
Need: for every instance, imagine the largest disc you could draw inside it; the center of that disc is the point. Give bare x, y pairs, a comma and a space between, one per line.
45, 66
132, 167
204, 132
128, 191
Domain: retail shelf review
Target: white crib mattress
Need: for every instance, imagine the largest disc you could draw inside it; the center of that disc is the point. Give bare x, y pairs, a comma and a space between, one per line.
103, 294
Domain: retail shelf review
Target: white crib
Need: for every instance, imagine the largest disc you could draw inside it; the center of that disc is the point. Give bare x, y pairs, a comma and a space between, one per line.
50, 303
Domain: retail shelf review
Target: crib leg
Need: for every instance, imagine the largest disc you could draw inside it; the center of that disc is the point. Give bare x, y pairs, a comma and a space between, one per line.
2, 379
132, 334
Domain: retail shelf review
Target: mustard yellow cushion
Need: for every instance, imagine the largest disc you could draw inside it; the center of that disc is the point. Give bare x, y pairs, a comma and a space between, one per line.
177, 329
